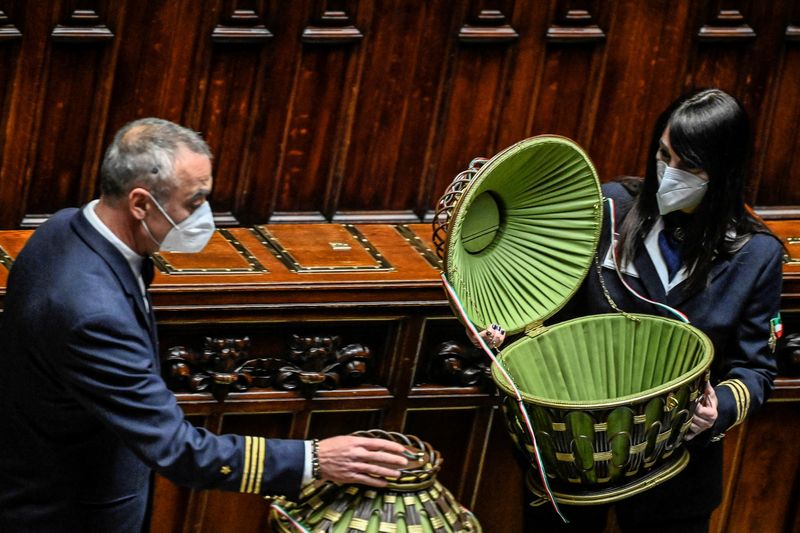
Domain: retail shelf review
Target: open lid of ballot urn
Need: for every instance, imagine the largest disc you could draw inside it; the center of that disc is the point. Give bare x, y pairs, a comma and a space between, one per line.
523, 233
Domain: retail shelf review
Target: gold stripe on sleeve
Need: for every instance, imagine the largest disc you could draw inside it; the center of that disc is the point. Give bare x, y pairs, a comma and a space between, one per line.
745, 392
262, 456
251, 468
737, 395
742, 395
246, 463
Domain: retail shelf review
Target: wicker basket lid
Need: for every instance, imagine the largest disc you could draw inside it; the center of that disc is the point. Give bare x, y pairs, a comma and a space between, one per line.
523, 233
414, 502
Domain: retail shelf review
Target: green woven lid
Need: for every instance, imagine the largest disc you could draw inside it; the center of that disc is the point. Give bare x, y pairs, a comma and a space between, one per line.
523, 234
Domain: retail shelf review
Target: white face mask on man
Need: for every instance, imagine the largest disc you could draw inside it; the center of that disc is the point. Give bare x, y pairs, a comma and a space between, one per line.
678, 189
191, 235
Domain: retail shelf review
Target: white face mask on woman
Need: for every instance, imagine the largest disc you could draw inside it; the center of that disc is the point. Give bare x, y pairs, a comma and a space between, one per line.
678, 189
191, 235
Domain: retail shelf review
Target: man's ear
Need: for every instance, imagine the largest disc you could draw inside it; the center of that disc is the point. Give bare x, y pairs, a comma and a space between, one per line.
138, 202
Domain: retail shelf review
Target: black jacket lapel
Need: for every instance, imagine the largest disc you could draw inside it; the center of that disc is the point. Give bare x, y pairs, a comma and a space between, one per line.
652, 286
678, 295
115, 261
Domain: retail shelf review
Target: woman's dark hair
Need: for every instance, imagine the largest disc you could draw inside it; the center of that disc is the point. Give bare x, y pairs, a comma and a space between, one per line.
708, 130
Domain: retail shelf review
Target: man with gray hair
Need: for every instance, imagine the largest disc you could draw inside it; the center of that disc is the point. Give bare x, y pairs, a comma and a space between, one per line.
89, 415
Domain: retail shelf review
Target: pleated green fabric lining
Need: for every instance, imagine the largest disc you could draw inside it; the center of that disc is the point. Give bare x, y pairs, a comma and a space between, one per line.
605, 358
550, 209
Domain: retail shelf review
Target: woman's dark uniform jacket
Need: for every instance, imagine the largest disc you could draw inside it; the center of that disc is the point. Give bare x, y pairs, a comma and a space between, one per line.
86, 415
735, 309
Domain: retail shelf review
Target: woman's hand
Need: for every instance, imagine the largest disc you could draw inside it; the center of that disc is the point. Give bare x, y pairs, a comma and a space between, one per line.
364, 460
705, 414
493, 336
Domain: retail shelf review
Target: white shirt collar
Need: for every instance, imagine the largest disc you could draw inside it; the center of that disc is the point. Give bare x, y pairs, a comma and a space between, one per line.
134, 260
651, 245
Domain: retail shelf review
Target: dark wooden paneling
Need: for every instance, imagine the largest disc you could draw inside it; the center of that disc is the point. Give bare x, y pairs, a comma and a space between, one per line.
649, 79
224, 511
77, 77
499, 457
363, 111
402, 318
11, 17
400, 92
262, 152
761, 480
780, 161
355, 111
325, 89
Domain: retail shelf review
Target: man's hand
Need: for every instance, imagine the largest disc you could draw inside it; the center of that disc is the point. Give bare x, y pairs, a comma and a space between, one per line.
493, 336
350, 459
705, 414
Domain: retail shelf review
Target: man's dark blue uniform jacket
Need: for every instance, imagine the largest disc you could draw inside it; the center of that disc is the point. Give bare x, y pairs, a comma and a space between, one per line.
87, 416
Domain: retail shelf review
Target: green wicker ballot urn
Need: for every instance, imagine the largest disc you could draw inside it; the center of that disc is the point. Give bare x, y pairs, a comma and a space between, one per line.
414, 503
610, 397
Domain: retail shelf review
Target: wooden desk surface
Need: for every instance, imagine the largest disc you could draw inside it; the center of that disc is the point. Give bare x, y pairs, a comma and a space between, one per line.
325, 281
325, 262
321, 263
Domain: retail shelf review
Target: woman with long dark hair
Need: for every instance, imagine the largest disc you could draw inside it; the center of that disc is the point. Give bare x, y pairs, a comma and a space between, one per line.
687, 240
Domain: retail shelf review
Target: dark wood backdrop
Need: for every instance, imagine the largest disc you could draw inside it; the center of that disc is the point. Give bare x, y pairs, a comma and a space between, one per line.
365, 110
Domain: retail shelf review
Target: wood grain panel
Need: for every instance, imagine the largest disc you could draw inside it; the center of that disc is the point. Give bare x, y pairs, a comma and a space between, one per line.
778, 160
449, 431
241, 23
479, 79
575, 23
232, 64
80, 60
518, 108
22, 83
324, 86
569, 88
644, 82
499, 457
10, 50
261, 154
762, 495
169, 506
400, 93
160, 63
170, 501
320, 110
228, 511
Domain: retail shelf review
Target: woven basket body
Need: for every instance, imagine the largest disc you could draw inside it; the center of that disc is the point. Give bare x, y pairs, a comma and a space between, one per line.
610, 400
415, 503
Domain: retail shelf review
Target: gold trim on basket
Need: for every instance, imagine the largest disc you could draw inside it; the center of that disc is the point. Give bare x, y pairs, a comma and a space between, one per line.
355, 507
656, 477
